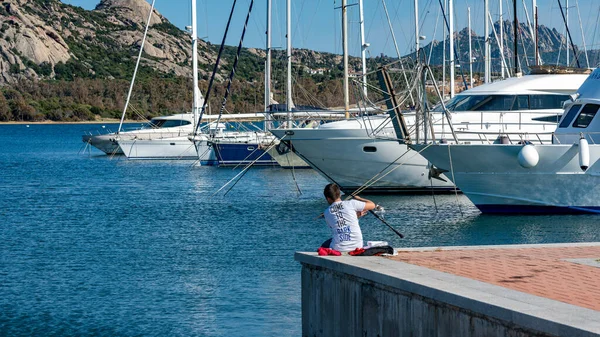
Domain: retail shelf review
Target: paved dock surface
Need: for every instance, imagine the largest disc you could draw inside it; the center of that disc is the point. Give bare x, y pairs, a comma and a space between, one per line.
569, 273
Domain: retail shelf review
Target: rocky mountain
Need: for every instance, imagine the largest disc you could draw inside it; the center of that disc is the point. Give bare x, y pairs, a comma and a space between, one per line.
48, 39
551, 46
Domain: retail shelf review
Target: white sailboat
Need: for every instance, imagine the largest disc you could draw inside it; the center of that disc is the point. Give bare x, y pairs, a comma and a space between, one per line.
560, 177
158, 127
180, 146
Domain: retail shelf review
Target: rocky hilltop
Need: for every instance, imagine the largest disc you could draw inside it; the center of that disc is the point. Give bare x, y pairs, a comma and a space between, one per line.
46, 39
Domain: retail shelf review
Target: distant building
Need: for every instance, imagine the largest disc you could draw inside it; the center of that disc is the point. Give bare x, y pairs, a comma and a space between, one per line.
318, 71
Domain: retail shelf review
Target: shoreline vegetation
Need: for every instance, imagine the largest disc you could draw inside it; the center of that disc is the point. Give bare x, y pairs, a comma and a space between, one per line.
101, 121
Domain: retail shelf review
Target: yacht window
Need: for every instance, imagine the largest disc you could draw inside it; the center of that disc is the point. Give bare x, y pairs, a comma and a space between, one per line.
162, 123
586, 115
521, 103
451, 103
173, 123
569, 116
370, 149
496, 103
537, 102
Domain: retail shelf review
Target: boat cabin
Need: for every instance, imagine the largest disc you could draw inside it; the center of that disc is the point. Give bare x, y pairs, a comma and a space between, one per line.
579, 117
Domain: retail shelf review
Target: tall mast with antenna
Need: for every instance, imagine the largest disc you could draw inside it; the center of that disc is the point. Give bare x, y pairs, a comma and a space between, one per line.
345, 50
289, 64
363, 45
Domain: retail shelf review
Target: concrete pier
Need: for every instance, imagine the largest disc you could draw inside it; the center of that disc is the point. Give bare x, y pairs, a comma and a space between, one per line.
521, 290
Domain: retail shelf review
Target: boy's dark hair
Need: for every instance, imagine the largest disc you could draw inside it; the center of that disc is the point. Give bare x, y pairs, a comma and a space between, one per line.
332, 191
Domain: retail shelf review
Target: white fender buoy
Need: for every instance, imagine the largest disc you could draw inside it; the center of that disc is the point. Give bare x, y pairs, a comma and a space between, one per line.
584, 154
528, 156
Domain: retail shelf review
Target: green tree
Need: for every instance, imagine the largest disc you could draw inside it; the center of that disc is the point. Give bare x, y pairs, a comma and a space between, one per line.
5, 113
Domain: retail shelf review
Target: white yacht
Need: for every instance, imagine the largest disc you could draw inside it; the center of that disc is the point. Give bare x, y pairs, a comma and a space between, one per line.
363, 152
560, 177
158, 127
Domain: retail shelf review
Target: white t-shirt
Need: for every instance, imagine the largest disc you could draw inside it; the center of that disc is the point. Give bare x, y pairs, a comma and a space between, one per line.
345, 231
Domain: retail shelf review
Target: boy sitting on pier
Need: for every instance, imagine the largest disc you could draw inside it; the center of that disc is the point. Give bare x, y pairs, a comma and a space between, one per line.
342, 218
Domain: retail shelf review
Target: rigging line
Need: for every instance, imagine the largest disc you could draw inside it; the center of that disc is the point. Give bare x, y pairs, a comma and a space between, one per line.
287, 157
569, 35
235, 63
454, 181
437, 19
215, 68
248, 156
456, 58
137, 64
582, 34
243, 172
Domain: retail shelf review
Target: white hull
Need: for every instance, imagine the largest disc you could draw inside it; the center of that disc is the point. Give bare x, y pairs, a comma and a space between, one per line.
340, 157
204, 151
178, 148
492, 178
288, 160
105, 143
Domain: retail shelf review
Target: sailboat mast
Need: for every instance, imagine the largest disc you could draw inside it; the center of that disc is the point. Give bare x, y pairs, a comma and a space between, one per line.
345, 51
197, 95
501, 37
567, 24
451, 34
516, 37
289, 63
536, 47
470, 48
444, 28
487, 65
363, 45
268, 68
417, 28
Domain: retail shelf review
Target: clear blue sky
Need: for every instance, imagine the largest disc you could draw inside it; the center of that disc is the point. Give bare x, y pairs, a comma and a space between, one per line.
316, 23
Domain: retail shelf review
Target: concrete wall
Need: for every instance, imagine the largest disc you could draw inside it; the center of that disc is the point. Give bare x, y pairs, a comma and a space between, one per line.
349, 296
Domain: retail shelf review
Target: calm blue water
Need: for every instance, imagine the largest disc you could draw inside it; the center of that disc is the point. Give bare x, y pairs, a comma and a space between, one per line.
94, 245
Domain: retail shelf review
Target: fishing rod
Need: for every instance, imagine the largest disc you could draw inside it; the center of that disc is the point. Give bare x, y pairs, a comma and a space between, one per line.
387, 224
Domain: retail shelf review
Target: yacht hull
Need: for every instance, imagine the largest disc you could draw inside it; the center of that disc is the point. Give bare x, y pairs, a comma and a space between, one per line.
205, 153
286, 158
234, 154
177, 148
492, 178
351, 159
105, 143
